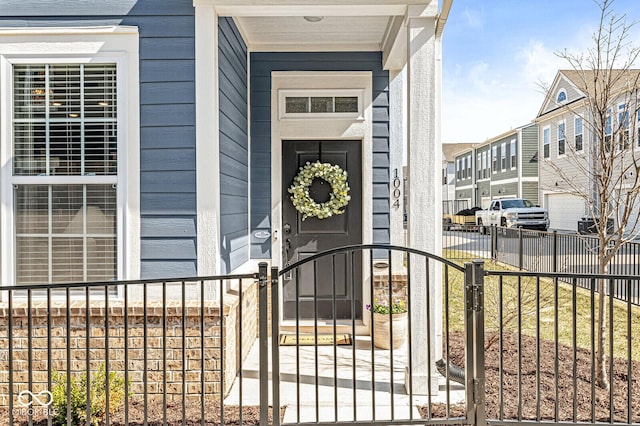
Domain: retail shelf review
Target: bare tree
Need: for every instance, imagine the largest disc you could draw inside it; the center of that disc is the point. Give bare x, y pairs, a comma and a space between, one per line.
608, 178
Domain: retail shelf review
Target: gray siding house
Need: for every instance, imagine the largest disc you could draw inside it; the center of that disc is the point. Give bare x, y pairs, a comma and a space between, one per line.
501, 167
449, 153
569, 141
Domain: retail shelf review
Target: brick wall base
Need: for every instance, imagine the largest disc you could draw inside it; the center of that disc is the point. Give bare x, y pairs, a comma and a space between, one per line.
184, 347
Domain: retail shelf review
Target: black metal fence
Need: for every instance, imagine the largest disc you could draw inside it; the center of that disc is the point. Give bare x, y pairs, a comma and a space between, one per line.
126, 353
502, 347
546, 252
542, 349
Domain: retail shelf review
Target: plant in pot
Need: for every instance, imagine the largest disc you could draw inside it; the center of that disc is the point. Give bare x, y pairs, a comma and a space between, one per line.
388, 324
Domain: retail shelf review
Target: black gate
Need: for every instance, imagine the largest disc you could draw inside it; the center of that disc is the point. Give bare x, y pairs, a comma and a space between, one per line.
407, 360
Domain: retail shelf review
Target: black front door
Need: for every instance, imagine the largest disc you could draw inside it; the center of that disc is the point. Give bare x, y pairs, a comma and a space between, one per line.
333, 284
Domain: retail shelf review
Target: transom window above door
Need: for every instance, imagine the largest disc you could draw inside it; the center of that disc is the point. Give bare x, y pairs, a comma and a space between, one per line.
320, 103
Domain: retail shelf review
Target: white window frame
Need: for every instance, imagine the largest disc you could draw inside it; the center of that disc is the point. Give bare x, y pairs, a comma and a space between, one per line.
469, 166
577, 120
512, 154
503, 156
485, 168
479, 166
623, 130
566, 97
637, 120
546, 141
561, 136
494, 159
283, 94
111, 44
608, 131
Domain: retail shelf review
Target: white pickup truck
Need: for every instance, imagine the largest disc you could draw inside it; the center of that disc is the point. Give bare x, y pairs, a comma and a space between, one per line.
512, 213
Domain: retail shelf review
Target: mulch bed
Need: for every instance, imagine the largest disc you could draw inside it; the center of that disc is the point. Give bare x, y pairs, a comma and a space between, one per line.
526, 406
250, 415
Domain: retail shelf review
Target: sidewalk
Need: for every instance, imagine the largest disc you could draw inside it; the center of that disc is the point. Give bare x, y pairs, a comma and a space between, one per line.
343, 388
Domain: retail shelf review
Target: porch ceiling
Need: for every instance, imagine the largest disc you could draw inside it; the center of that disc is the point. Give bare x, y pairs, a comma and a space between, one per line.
285, 33
346, 25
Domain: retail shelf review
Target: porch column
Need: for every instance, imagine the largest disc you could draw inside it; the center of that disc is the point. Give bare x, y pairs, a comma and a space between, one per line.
207, 139
425, 188
397, 143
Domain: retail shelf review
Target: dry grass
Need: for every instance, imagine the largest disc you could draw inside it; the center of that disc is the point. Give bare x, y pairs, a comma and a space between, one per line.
542, 316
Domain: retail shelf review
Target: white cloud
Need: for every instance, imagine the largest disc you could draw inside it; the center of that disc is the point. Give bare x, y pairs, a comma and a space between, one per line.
539, 64
473, 18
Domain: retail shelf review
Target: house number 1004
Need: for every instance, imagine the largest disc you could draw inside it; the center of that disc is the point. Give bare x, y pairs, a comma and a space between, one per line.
395, 194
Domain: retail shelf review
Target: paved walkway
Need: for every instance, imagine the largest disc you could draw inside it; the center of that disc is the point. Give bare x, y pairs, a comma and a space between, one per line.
345, 394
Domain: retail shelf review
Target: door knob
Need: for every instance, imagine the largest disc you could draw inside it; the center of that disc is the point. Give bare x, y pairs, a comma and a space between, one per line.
286, 228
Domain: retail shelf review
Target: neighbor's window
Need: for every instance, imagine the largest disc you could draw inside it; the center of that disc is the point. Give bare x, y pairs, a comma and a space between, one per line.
464, 168
562, 96
485, 166
469, 175
479, 166
623, 123
607, 132
494, 158
545, 142
503, 156
578, 133
638, 123
561, 138
512, 153
64, 172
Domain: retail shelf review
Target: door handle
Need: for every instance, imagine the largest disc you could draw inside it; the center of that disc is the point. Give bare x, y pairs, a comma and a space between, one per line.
287, 247
286, 228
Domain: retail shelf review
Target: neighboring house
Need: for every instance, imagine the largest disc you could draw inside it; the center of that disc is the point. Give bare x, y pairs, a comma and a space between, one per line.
501, 167
449, 153
566, 140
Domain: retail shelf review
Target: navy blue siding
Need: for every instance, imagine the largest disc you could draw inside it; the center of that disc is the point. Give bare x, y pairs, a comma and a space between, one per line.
262, 64
167, 114
234, 147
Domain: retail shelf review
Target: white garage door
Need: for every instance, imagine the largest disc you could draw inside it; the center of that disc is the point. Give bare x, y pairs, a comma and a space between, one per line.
565, 210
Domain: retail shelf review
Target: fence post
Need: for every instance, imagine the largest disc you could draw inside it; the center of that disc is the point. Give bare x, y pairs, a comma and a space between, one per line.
469, 343
478, 359
275, 346
520, 250
264, 343
554, 252
494, 242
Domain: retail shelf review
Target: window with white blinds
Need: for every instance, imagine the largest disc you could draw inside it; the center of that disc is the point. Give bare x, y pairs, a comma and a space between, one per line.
65, 128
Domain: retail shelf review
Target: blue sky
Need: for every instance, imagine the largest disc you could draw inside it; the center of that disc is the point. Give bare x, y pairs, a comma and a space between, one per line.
495, 52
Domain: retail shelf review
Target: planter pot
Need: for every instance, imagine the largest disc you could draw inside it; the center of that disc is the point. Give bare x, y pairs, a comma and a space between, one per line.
382, 326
